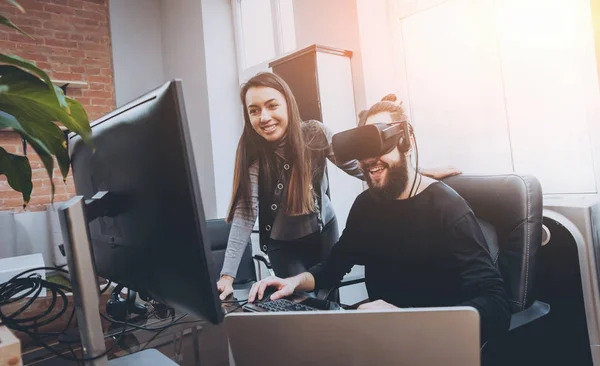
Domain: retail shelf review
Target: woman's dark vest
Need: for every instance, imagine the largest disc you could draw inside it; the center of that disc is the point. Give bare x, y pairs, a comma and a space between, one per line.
270, 201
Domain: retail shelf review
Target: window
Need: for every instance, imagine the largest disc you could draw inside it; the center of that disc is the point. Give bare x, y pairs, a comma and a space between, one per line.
264, 30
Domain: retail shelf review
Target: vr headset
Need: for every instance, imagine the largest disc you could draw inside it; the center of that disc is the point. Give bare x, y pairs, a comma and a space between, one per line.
371, 141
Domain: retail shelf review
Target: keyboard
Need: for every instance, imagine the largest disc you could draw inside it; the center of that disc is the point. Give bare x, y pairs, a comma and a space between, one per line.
283, 305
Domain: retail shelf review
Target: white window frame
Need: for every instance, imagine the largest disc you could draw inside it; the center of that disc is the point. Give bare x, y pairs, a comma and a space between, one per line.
244, 73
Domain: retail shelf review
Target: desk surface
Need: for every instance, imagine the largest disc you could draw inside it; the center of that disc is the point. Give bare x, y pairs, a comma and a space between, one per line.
133, 339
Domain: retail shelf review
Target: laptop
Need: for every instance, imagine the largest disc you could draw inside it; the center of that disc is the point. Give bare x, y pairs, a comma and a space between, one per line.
411, 337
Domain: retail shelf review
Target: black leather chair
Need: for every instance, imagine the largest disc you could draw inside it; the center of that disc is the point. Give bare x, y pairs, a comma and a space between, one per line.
218, 233
509, 209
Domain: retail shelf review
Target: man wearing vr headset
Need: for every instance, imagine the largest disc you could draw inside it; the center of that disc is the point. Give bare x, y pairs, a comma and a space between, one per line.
419, 241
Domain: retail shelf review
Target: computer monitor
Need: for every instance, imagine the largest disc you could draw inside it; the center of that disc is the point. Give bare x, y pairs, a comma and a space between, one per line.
151, 234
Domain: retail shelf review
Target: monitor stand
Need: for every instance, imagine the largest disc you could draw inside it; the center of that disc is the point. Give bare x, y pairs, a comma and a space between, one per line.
74, 216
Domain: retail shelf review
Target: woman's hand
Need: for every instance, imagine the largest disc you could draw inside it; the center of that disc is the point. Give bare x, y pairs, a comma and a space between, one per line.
441, 172
225, 286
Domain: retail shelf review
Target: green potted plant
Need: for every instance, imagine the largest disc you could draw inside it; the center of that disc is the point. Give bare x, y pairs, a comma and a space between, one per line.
31, 105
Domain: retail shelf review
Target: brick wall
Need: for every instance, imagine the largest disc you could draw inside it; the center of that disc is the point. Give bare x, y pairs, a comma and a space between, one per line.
72, 42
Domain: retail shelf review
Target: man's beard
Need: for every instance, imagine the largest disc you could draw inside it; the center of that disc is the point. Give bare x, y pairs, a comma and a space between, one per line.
395, 181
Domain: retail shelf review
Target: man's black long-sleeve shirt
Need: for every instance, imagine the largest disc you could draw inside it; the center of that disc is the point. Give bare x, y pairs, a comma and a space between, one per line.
425, 251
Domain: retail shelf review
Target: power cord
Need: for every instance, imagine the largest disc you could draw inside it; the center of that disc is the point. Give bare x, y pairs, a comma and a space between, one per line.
150, 329
19, 288
106, 287
232, 301
241, 303
411, 194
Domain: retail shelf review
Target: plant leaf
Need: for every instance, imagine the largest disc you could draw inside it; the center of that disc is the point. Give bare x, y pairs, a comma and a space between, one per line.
18, 173
54, 139
30, 102
8, 121
17, 5
5, 21
80, 119
49, 136
31, 67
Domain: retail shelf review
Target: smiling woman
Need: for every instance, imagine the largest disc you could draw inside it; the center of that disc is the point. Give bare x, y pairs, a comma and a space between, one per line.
267, 109
280, 178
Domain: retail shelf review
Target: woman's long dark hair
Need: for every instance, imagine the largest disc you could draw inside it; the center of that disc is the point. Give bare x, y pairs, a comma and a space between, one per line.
253, 147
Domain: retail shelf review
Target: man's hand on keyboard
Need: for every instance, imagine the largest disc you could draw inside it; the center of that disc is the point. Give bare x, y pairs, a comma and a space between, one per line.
285, 287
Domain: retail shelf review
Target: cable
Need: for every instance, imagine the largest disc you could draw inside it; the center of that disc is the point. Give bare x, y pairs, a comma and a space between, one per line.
31, 285
237, 307
411, 132
19, 288
41, 342
416, 152
74, 355
417, 164
114, 321
416, 168
106, 287
156, 335
232, 301
150, 340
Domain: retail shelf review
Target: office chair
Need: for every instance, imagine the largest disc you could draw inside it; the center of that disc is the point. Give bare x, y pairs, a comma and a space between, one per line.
509, 209
218, 233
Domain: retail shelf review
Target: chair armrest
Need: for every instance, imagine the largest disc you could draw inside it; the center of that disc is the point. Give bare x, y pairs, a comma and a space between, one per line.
351, 282
260, 258
537, 310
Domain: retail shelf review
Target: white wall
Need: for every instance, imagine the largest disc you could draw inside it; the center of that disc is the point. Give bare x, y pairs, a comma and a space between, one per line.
380, 71
184, 57
500, 86
337, 109
484, 94
551, 87
193, 41
592, 17
137, 47
454, 84
225, 113
362, 26
30, 233
332, 23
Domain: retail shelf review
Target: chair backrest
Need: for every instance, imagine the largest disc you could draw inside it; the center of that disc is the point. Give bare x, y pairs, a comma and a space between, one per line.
218, 233
509, 208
